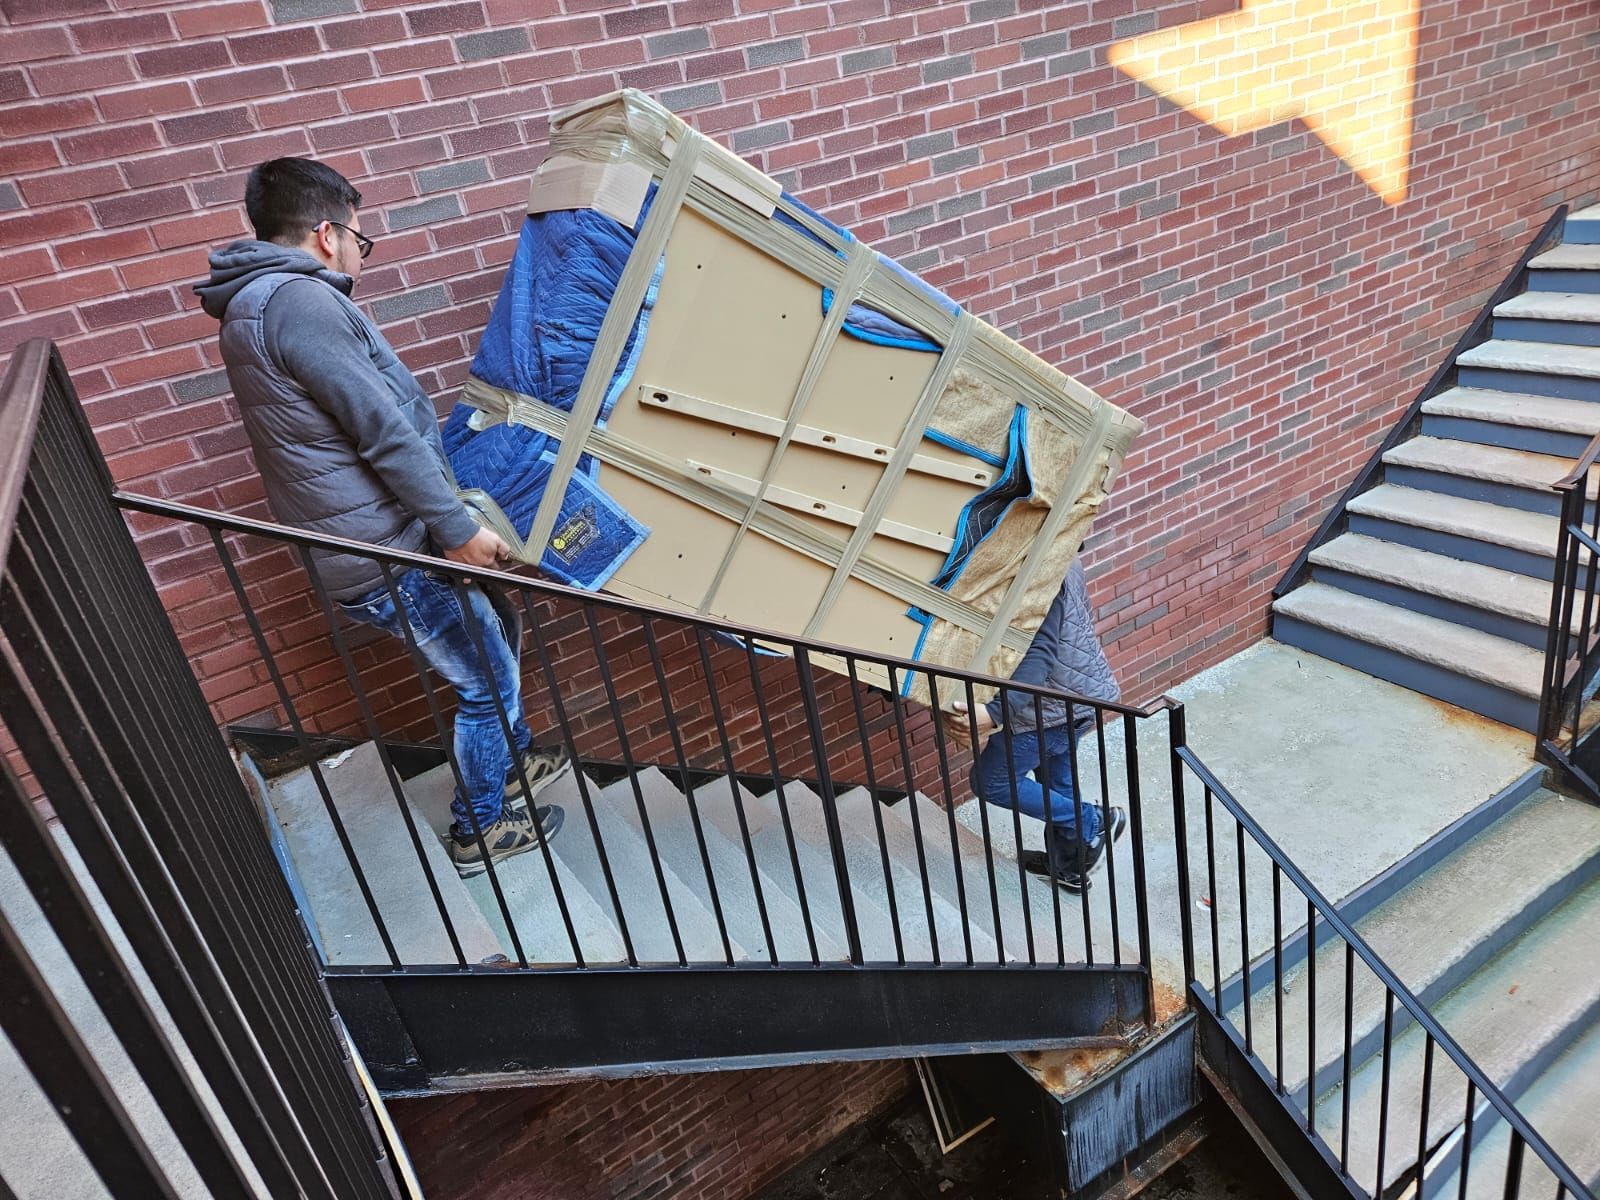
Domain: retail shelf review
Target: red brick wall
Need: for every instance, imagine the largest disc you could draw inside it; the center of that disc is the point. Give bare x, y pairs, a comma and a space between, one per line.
717, 1136
1263, 311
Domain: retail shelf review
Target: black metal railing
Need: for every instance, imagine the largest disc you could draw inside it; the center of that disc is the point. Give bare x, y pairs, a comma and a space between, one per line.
998, 919
1572, 653
1292, 1053
100, 715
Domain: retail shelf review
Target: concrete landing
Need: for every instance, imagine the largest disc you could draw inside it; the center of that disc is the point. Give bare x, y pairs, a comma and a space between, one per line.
1348, 774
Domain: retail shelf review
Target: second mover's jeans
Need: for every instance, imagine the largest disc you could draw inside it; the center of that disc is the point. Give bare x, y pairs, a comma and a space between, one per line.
438, 623
1003, 780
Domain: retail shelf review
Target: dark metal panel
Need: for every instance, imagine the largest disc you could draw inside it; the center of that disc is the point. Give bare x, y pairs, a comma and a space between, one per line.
486, 1021
1130, 1105
1245, 1084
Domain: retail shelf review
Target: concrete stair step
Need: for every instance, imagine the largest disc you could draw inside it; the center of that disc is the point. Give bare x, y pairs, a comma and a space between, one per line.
811, 847
1551, 306
1466, 524
1551, 413
1513, 1017
1462, 651
622, 833
967, 856
1569, 256
376, 826
1561, 1106
1518, 597
1434, 932
525, 880
1583, 227
756, 821
1541, 357
1491, 464
728, 887
861, 817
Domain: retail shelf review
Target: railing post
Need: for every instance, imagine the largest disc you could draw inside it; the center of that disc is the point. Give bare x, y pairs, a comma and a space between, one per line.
830, 815
1177, 727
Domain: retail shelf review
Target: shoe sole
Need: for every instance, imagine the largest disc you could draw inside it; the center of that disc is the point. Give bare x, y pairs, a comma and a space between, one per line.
553, 823
1077, 889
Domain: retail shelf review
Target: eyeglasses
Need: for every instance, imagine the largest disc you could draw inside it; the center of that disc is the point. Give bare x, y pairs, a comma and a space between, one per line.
364, 244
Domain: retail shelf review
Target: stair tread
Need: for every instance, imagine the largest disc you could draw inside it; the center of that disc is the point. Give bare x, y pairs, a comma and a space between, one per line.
1490, 588
1560, 1105
1530, 999
1569, 256
1532, 532
1493, 464
1551, 306
1434, 923
365, 801
1592, 213
1518, 408
1456, 648
525, 881
617, 810
1552, 358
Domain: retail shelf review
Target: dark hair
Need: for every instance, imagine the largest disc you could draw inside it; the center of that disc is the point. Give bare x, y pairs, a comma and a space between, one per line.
287, 198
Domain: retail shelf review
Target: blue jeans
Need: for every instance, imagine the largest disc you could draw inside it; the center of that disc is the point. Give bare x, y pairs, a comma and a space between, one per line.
1003, 780
444, 639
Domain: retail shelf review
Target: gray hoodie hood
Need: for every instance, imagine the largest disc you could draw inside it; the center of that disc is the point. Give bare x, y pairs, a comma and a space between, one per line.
236, 265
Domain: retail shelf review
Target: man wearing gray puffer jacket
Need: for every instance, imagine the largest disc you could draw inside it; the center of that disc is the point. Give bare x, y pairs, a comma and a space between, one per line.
1040, 735
348, 446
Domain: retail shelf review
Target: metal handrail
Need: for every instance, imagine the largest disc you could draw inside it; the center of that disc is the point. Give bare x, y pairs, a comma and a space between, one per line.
1329, 912
1397, 433
21, 399
402, 558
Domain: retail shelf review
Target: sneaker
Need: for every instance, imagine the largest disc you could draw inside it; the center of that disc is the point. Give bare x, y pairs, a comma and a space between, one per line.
1069, 877
513, 833
542, 765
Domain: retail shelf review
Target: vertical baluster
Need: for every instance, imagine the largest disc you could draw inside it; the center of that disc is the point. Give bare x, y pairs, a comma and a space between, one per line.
1141, 907
1349, 1017
1277, 973
956, 861
1016, 827
632, 768
988, 838
783, 805
1422, 1114
1180, 832
830, 815
1244, 940
898, 707
1051, 836
1213, 901
1514, 1166
1383, 1098
1466, 1140
1075, 778
872, 786
1105, 818
687, 784
733, 788
569, 739
1311, 1017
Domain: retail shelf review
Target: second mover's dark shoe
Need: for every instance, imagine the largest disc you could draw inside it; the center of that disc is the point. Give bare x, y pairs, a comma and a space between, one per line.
1067, 873
512, 834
